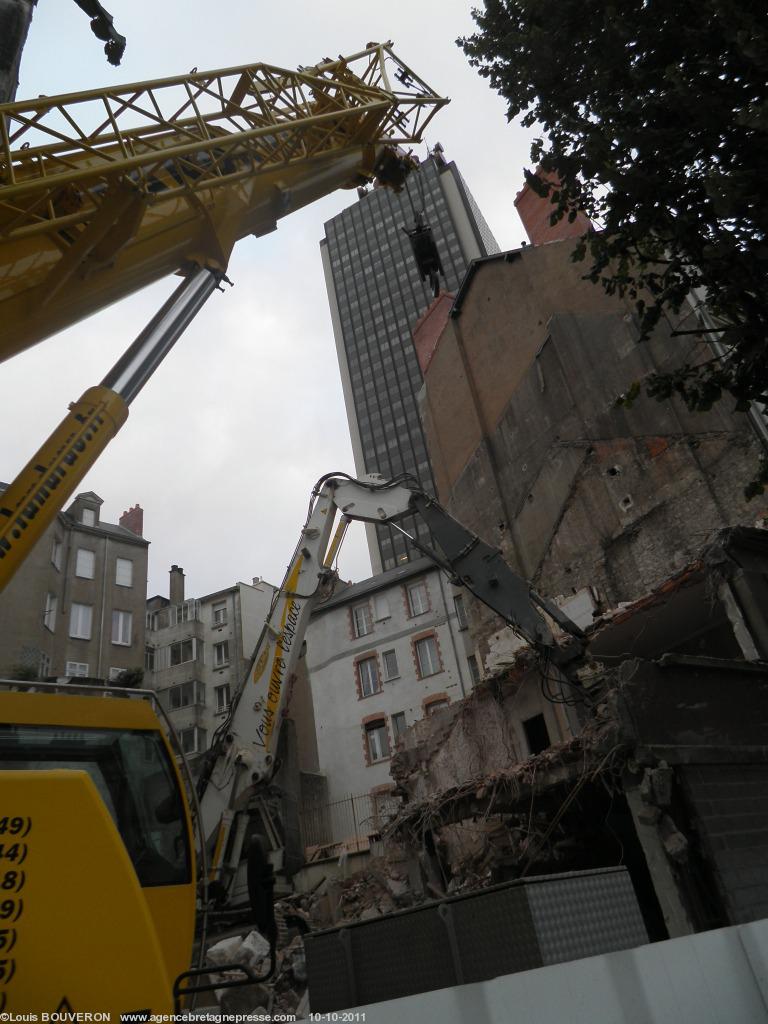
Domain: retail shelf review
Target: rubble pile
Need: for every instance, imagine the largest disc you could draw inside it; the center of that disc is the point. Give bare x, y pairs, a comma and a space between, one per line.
592, 753
381, 889
285, 992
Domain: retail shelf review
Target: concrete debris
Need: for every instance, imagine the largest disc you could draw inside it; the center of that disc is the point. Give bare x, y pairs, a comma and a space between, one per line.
286, 989
674, 841
255, 946
228, 951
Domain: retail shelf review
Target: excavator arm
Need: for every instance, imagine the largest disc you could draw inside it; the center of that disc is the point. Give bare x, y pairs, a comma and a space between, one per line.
242, 760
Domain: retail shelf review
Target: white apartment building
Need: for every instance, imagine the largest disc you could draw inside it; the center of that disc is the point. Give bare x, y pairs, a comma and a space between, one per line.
198, 651
382, 654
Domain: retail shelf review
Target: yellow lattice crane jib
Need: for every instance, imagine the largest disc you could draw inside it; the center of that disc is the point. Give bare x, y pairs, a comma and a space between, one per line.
106, 191
103, 192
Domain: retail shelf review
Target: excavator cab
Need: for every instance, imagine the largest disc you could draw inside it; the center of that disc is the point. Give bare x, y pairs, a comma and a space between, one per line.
96, 853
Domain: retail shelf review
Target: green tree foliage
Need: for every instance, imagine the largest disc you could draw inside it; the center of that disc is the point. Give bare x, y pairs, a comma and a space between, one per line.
24, 672
654, 115
131, 678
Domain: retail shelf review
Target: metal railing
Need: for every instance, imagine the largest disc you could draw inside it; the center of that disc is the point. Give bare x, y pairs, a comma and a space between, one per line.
349, 820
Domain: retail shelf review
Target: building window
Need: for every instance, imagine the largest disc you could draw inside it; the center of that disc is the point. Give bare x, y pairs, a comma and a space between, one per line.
149, 659
461, 615
80, 618
431, 706
122, 623
381, 607
192, 740
186, 612
222, 697
115, 673
368, 674
76, 668
389, 659
185, 695
427, 656
183, 651
88, 517
418, 599
398, 724
221, 654
49, 615
56, 552
219, 613
85, 563
124, 572
474, 671
361, 620
44, 668
536, 734
377, 740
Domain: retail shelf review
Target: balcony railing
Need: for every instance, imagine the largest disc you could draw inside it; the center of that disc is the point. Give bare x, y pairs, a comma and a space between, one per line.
350, 820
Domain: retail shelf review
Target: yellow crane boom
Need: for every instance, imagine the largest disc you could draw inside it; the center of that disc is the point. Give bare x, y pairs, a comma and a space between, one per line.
105, 191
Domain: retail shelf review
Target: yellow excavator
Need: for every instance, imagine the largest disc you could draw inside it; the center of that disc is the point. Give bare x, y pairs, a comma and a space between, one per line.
101, 193
96, 821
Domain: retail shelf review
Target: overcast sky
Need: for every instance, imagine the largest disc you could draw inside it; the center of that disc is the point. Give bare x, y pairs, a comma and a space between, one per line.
220, 467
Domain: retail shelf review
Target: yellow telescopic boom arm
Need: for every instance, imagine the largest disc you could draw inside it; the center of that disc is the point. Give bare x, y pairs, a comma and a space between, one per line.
106, 191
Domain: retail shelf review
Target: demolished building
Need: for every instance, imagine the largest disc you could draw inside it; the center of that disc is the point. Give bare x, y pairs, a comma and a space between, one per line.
665, 770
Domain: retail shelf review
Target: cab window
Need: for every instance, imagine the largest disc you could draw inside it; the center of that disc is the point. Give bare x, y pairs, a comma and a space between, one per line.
133, 775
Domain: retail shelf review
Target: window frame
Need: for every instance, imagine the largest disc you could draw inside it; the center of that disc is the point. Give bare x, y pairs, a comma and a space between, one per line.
417, 642
197, 733
369, 660
180, 644
474, 669
222, 645
84, 575
461, 611
221, 707
81, 633
216, 607
76, 675
129, 563
397, 732
365, 608
434, 704
386, 675
50, 610
377, 727
410, 589
119, 618
57, 549
192, 687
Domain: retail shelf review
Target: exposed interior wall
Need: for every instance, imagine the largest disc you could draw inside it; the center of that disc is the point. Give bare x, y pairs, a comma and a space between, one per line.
532, 453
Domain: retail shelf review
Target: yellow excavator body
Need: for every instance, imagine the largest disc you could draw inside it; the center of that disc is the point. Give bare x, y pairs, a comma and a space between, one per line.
97, 880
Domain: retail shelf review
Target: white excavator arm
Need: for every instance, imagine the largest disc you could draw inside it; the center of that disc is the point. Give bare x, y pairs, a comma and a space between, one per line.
242, 759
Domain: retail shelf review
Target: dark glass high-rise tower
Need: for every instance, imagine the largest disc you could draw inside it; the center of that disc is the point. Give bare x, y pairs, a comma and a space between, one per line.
376, 297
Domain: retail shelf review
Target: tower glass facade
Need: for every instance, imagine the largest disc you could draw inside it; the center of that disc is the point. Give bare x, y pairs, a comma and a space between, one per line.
376, 297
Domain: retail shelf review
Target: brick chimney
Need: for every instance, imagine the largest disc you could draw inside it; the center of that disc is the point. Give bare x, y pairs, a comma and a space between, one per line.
534, 211
133, 520
176, 588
